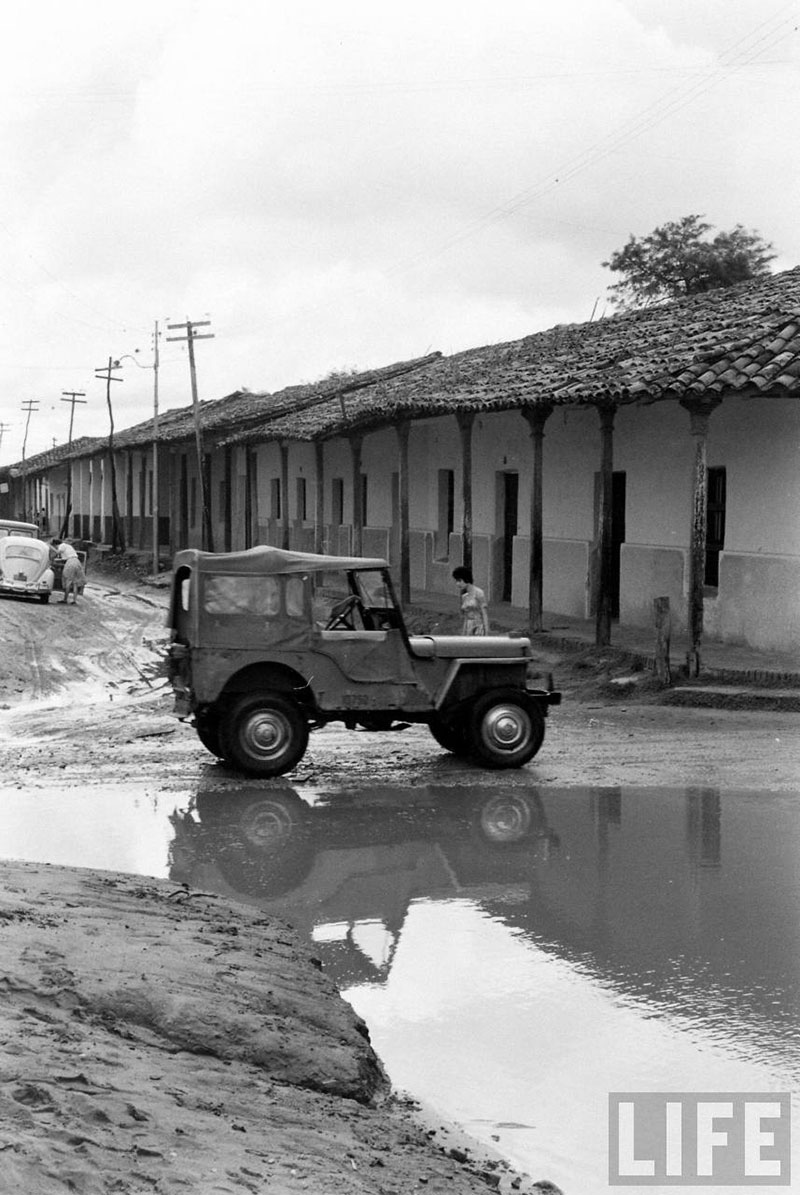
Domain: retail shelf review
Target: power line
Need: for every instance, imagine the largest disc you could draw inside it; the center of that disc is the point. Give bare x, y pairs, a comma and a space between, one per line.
672, 101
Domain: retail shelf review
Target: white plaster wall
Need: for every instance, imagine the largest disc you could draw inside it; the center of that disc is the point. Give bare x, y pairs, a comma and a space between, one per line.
758, 442
302, 464
433, 444
339, 463
654, 448
379, 460
268, 466
570, 459
758, 601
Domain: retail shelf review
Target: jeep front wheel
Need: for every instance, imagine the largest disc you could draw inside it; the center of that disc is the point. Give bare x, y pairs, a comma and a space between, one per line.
450, 735
264, 734
506, 729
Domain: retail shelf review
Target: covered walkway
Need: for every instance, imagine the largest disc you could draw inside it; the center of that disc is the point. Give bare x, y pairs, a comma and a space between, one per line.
726, 663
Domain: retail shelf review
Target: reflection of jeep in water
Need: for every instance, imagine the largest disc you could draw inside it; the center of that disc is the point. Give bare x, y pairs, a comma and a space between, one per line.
268, 644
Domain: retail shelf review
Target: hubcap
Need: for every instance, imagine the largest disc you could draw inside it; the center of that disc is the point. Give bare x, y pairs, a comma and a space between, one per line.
505, 819
267, 825
266, 734
507, 727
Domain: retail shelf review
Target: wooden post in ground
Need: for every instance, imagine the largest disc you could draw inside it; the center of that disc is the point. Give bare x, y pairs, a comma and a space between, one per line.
663, 625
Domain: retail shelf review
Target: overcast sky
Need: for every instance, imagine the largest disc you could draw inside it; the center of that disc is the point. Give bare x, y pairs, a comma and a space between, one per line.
338, 184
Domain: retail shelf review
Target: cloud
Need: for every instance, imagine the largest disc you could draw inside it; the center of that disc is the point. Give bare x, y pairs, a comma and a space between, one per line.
357, 183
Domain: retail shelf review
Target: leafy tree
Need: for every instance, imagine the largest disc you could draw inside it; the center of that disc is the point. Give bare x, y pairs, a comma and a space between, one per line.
678, 259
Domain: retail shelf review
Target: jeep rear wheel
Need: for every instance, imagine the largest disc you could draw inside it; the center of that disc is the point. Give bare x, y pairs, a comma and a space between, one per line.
264, 734
207, 727
506, 729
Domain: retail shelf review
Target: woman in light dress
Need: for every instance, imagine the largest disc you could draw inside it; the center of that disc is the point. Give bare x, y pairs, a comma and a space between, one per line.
474, 611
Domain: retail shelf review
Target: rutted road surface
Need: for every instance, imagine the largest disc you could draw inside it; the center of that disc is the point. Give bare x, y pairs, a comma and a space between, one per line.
83, 696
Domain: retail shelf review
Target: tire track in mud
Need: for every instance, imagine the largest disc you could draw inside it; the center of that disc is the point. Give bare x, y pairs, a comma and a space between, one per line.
40, 684
110, 641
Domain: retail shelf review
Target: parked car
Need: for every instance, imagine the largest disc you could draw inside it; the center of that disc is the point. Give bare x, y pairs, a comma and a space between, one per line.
268, 644
14, 527
25, 568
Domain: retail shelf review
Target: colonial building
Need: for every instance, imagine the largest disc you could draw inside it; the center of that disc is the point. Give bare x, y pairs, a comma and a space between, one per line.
586, 470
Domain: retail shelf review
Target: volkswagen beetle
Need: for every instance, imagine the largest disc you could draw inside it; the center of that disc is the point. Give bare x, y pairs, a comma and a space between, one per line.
25, 569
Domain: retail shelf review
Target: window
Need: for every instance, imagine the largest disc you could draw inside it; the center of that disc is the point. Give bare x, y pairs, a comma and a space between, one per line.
193, 502
364, 490
242, 595
275, 497
337, 501
295, 597
301, 507
444, 520
329, 589
715, 524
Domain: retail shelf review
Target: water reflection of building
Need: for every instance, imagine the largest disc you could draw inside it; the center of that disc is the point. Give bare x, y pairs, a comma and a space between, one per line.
630, 885
704, 825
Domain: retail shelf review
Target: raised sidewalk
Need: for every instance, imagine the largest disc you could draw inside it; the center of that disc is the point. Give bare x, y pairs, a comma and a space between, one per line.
724, 667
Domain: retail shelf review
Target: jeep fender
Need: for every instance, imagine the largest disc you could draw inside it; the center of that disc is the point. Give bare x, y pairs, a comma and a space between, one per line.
262, 678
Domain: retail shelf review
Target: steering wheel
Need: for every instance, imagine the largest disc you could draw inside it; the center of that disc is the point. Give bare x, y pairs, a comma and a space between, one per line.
342, 614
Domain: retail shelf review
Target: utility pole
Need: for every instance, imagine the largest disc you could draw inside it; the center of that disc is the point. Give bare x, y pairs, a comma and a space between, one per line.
4, 427
190, 337
29, 405
155, 448
106, 373
72, 397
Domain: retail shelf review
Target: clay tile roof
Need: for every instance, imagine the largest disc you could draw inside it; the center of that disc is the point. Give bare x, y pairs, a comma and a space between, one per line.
743, 339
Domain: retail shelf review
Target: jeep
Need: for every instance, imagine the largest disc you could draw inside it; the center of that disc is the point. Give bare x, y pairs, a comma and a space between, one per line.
268, 644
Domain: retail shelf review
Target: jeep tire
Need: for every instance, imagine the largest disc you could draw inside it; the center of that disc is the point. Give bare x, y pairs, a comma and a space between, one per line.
506, 729
452, 736
264, 734
207, 727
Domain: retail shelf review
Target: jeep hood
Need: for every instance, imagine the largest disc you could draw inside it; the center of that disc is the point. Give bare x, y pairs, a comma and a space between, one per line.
452, 647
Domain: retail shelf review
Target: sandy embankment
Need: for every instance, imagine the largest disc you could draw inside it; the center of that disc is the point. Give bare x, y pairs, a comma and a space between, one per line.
161, 1040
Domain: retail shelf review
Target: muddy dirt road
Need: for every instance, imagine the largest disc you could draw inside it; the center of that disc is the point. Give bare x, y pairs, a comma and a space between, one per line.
83, 697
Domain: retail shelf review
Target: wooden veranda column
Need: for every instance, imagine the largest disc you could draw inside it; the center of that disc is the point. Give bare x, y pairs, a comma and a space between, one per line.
536, 417
403, 429
358, 512
129, 496
250, 499
699, 415
465, 421
173, 490
602, 636
284, 448
319, 496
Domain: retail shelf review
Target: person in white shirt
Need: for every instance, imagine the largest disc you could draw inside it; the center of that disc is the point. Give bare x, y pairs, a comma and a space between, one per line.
73, 577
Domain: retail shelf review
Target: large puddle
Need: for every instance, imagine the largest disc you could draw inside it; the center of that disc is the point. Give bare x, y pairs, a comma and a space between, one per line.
517, 955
